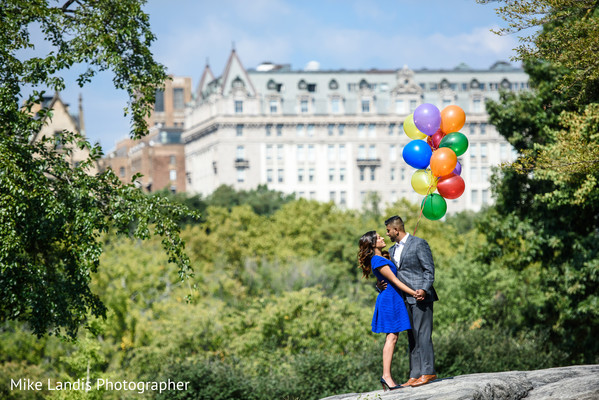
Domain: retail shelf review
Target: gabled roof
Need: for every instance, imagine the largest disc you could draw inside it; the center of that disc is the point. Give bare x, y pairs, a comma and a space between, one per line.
234, 70
207, 77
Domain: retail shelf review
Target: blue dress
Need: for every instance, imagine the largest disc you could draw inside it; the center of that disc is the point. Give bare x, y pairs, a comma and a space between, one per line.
390, 314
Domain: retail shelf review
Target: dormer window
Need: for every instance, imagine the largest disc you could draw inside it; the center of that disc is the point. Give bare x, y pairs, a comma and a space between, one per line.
302, 85
363, 84
237, 83
333, 85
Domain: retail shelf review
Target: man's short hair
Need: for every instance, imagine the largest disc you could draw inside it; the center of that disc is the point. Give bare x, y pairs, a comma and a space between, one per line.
396, 219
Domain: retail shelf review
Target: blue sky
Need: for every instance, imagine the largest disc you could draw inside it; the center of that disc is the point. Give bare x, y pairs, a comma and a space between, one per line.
349, 34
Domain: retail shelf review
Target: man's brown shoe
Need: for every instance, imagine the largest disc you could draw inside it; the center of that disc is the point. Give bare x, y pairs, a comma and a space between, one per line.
424, 379
410, 382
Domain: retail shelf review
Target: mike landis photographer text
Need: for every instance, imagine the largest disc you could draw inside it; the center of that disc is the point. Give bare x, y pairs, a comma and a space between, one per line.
100, 384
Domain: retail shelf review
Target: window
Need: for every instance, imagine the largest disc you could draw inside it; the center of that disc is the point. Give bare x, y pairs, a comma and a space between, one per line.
476, 107
178, 99
269, 151
172, 160
331, 129
485, 195
392, 153
332, 196
474, 197
122, 172
372, 151
365, 105
342, 198
304, 106
239, 130
392, 174
240, 153
300, 175
483, 129
279, 130
413, 105
310, 130
269, 175
473, 150
311, 175
403, 174
503, 151
279, 152
342, 155
484, 174
311, 153
58, 140
474, 174
274, 106
335, 109
341, 174
331, 174
301, 155
299, 129
280, 175
341, 129
240, 175
400, 106
159, 103
361, 131
268, 129
483, 150
372, 169
362, 174
331, 152
172, 174
312, 195
391, 129
371, 130
238, 106
361, 152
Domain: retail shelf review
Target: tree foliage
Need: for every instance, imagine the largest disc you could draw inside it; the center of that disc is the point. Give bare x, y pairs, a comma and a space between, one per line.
53, 214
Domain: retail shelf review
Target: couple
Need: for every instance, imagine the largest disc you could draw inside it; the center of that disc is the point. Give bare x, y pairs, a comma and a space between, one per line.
405, 305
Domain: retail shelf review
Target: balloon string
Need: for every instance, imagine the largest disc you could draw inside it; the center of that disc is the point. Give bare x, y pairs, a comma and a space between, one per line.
422, 208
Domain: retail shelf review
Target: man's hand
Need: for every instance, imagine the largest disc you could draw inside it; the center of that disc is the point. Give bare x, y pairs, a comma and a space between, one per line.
420, 295
381, 285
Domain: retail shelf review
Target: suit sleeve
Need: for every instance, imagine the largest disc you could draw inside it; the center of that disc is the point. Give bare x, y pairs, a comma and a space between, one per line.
428, 266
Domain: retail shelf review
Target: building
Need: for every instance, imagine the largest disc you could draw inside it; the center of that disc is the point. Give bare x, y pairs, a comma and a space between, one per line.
62, 120
335, 135
159, 156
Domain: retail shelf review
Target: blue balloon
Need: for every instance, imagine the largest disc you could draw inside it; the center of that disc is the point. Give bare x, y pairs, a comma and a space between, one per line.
417, 154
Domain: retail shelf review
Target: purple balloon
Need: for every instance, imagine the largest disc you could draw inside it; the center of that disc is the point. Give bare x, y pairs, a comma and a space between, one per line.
458, 169
427, 118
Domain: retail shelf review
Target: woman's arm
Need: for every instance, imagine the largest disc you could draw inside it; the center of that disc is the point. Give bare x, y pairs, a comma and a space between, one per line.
391, 278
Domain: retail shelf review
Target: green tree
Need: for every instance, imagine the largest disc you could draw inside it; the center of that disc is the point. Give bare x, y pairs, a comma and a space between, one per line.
52, 216
545, 221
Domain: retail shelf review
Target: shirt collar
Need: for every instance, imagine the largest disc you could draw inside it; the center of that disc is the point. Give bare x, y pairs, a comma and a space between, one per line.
405, 239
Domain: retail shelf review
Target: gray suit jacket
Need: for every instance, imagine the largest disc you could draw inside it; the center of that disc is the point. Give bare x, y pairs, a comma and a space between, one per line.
416, 267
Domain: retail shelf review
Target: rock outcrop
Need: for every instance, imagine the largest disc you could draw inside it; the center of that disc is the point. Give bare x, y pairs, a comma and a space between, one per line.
579, 382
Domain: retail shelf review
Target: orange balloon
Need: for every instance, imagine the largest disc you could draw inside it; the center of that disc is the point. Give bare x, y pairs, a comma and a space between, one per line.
443, 161
453, 119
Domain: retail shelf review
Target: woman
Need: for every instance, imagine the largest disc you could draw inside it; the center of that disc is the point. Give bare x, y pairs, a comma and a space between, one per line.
390, 314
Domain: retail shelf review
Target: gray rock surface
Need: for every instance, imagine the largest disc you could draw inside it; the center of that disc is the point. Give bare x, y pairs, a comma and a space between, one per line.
579, 382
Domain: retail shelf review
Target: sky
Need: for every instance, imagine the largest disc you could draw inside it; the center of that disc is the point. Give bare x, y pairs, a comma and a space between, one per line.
338, 34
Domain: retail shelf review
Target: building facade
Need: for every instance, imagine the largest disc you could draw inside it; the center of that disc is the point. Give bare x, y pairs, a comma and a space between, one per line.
336, 135
63, 119
159, 156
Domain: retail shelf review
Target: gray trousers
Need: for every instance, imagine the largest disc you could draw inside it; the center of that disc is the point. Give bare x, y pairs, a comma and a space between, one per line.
422, 355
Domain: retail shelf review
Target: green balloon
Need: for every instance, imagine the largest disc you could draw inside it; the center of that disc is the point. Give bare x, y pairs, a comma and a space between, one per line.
434, 206
456, 141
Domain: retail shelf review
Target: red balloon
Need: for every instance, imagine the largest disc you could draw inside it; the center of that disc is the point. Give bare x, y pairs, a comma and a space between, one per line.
443, 161
434, 140
451, 186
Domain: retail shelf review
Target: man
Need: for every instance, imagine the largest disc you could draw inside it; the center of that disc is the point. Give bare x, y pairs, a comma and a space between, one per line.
415, 268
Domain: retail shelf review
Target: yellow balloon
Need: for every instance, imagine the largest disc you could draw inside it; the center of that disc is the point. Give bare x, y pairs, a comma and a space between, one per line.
424, 182
410, 128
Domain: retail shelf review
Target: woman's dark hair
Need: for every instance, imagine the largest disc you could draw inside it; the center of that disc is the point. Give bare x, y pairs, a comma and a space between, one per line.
367, 243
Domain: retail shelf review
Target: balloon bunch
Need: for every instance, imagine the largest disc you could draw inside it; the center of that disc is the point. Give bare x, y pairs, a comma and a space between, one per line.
436, 159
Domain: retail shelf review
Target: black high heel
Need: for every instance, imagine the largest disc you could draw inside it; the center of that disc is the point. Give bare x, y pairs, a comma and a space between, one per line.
387, 387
